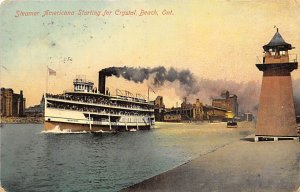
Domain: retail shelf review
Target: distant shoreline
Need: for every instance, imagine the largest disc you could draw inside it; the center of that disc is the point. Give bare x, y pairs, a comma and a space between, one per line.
22, 120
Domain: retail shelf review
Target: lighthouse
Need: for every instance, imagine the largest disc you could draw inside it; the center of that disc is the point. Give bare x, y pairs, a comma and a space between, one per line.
276, 113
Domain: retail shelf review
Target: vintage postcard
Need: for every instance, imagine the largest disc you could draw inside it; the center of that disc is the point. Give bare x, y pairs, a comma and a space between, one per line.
148, 95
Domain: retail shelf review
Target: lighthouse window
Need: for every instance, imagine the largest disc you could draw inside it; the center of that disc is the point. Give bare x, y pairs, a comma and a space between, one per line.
272, 52
282, 52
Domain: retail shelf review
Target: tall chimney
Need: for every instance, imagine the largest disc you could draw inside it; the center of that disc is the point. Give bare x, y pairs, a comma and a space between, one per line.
101, 82
21, 106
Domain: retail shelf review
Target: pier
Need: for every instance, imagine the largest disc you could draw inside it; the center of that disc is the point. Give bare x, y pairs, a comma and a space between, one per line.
239, 166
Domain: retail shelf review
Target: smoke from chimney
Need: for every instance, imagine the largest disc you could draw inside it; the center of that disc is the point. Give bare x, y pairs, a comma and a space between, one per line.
190, 86
160, 74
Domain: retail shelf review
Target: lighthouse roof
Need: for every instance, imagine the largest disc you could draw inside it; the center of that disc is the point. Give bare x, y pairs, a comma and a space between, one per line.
277, 42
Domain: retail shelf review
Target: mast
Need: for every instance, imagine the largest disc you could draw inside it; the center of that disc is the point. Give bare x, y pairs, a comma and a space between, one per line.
47, 73
149, 92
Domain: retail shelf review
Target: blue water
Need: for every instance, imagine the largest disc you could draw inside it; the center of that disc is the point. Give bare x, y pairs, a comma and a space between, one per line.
36, 161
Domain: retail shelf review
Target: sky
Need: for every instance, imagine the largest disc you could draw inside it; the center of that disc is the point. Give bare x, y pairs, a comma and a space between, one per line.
215, 40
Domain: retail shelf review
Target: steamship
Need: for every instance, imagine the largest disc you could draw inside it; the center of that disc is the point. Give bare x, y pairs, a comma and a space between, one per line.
90, 110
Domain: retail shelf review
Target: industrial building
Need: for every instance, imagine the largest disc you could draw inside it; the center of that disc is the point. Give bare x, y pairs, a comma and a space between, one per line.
12, 104
159, 108
188, 112
213, 113
198, 111
226, 101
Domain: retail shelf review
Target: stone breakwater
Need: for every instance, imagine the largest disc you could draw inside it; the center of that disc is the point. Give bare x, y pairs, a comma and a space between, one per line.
22, 120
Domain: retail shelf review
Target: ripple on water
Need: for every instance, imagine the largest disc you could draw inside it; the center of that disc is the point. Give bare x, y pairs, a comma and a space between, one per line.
107, 162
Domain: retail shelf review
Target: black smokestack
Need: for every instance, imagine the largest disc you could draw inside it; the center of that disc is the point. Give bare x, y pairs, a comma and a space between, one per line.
101, 81
21, 106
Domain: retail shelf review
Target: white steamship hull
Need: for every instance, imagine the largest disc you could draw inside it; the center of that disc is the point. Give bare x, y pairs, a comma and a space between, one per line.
76, 121
86, 109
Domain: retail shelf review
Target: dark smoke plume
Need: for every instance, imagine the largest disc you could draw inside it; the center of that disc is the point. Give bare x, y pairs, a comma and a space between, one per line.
160, 74
191, 86
204, 89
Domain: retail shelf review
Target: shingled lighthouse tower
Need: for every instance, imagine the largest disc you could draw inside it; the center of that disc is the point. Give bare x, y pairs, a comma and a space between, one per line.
276, 113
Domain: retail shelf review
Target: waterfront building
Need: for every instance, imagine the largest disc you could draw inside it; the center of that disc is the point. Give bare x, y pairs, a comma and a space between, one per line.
159, 102
159, 108
276, 112
36, 110
12, 104
173, 114
186, 112
213, 113
6, 102
172, 117
226, 101
198, 111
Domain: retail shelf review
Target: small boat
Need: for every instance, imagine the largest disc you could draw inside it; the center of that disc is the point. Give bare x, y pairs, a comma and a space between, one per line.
231, 121
232, 124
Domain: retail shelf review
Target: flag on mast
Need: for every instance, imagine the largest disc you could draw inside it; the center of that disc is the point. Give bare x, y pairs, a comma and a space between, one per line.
51, 72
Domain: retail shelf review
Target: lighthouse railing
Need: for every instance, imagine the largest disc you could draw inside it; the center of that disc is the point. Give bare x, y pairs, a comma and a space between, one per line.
292, 59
